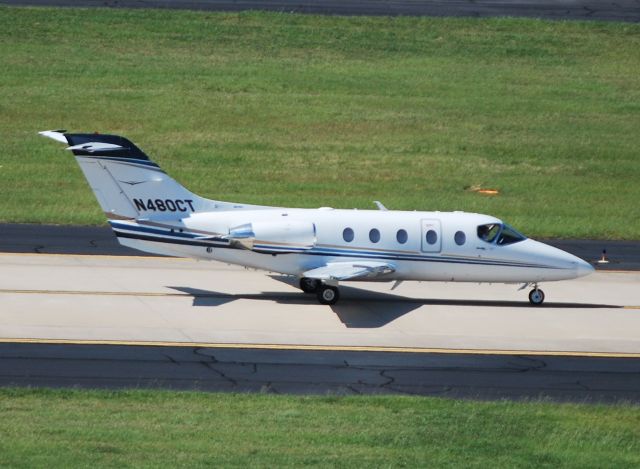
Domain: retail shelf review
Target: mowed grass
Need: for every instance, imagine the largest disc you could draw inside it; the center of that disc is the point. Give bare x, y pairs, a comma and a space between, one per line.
71, 428
293, 110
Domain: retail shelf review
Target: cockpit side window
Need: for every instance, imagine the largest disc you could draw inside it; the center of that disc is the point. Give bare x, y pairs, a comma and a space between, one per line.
509, 235
489, 232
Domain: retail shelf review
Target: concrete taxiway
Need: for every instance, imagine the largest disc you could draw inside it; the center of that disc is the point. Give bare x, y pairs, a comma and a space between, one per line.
122, 322
101, 298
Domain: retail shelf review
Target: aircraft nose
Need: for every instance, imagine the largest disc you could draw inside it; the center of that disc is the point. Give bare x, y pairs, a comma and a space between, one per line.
567, 265
583, 268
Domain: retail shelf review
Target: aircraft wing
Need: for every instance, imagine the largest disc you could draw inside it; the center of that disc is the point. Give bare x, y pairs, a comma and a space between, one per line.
350, 270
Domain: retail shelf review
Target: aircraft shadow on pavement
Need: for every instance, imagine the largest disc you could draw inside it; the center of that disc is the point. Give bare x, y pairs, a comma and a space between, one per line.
360, 308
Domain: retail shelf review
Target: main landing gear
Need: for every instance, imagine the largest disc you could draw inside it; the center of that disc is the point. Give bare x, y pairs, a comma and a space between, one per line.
309, 285
327, 294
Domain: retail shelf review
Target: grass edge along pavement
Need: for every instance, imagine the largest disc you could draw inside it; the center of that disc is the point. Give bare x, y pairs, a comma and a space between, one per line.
297, 110
146, 428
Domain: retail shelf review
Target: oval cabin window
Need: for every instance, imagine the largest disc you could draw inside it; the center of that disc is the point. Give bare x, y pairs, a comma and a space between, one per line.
432, 237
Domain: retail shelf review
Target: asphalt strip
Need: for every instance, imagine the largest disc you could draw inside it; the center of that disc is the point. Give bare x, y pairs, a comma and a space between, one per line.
603, 10
224, 368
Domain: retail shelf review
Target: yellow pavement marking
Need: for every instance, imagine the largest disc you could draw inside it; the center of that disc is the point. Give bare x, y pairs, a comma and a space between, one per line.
341, 348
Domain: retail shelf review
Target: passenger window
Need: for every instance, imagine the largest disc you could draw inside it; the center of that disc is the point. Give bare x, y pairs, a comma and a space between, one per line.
460, 238
402, 236
347, 235
374, 235
432, 237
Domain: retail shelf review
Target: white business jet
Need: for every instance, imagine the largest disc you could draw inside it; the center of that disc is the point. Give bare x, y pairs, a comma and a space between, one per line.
150, 211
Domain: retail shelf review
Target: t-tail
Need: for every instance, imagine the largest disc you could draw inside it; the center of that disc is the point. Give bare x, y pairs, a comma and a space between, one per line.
127, 184
146, 208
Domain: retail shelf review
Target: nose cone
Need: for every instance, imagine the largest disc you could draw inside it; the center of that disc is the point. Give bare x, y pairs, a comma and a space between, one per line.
583, 268
557, 264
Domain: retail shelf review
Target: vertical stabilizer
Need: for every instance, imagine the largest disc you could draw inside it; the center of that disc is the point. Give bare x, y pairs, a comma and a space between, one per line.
127, 184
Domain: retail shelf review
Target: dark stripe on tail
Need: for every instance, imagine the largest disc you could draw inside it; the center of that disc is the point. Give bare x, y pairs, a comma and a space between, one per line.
128, 150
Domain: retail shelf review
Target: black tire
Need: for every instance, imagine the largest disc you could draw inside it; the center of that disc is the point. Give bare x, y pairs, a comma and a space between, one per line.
328, 295
536, 297
309, 285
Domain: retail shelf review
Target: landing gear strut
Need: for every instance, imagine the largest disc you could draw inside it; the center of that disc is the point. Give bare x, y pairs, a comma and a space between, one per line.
309, 285
536, 296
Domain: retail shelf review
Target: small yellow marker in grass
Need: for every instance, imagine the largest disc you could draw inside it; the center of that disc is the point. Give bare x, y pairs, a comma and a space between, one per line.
485, 191
488, 191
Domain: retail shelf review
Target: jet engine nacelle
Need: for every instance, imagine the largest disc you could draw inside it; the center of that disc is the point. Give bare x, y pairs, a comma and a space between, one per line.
274, 236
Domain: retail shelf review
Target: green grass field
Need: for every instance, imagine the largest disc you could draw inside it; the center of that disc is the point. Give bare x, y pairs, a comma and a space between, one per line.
309, 111
42, 428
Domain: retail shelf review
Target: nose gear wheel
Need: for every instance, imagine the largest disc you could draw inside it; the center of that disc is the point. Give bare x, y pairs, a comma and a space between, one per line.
536, 296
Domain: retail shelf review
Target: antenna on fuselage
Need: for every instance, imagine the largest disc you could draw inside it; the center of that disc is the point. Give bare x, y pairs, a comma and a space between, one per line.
379, 205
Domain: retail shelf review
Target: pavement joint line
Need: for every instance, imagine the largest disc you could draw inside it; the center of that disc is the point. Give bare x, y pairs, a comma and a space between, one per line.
101, 293
99, 256
321, 348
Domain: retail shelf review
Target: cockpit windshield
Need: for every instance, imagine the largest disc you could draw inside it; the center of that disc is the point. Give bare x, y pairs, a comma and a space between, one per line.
509, 235
501, 234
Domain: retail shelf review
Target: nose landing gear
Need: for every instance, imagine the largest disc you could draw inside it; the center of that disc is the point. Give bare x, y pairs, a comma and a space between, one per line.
536, 296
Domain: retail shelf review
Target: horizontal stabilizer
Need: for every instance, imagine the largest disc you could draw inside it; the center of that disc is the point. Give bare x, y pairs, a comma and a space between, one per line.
57, 135
95, 146
350, 270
